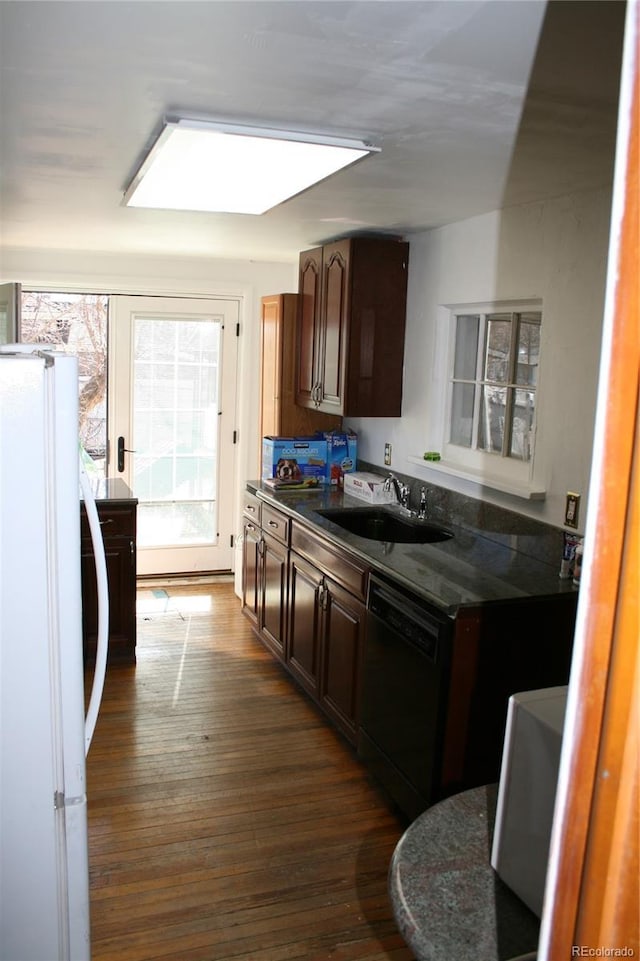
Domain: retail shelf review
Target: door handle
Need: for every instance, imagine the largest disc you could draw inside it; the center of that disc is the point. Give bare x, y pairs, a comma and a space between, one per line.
122, 450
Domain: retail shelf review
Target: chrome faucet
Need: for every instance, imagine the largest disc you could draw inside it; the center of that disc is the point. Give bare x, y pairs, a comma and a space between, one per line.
402, 491
422, 510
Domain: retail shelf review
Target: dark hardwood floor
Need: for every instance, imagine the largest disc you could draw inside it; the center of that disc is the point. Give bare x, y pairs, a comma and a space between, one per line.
227, 820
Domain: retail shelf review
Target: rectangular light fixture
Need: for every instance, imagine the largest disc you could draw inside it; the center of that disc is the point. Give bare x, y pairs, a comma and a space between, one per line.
210, 166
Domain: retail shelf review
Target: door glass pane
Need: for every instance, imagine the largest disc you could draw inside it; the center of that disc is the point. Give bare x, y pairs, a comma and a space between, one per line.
498, 348
522, 430
175, 401
466, 355
528, 355
462, 414
493, 405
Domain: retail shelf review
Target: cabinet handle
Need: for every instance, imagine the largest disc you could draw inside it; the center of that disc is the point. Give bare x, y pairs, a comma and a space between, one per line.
107, 520
250, 508
274, 524
252, 527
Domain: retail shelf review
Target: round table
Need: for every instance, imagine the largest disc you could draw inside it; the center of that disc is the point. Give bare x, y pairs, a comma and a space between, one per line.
449, 903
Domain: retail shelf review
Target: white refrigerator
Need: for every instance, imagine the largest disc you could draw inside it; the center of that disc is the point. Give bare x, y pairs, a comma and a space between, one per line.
44, 874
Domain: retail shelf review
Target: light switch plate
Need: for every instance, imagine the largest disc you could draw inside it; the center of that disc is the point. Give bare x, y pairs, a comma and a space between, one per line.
387, 455
572, 509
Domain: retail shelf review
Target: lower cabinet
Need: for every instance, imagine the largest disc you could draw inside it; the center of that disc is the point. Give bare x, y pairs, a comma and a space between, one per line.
305, 622
340, 656
118, 525
251, 569
311, 622
325, 635
272, 614
264, 571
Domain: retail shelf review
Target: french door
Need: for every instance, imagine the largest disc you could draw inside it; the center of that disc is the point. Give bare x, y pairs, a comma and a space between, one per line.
171, 415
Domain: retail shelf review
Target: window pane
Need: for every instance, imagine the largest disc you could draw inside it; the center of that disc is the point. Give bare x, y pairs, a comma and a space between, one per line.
77, 324
466, 356
522, 431
176, 523
498, 348
493, 406
176, 422
462, 414
528, 357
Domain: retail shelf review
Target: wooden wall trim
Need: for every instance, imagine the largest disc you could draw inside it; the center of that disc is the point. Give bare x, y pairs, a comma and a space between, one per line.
591, 899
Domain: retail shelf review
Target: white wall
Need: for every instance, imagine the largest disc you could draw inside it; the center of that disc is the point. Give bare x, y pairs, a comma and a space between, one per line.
555, 251
175, 276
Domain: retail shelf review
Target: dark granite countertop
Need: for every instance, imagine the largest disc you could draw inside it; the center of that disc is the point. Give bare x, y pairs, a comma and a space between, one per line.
474, 567
448, 902
110, 489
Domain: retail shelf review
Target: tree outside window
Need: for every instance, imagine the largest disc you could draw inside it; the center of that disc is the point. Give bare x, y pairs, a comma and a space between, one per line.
77, 324
494, 382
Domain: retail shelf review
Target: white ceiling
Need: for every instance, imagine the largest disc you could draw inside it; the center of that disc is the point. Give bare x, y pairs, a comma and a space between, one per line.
476, 104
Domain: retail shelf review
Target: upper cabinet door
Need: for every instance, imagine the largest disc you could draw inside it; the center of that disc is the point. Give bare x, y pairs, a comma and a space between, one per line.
334, 327
308, 321
351, 327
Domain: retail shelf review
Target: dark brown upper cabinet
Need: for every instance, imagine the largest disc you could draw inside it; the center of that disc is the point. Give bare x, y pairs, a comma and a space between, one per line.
351, 324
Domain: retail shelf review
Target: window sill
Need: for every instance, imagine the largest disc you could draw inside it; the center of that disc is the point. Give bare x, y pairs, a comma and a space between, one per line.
505, 486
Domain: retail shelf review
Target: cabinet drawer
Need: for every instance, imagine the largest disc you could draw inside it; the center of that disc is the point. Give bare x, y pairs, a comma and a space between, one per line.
337, 564
114, 521
276, 524
251, 506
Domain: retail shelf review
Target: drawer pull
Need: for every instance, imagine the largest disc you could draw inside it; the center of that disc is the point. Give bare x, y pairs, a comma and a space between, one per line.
250, 508
108, 520
274, 524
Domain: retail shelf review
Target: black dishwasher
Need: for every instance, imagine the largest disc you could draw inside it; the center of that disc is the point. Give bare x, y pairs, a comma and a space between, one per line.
406, 666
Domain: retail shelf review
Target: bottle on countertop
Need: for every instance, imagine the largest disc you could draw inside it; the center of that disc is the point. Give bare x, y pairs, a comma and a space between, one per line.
577, 564
570, 545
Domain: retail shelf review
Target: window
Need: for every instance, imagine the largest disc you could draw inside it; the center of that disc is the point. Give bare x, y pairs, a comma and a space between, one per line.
494, 381
77, 324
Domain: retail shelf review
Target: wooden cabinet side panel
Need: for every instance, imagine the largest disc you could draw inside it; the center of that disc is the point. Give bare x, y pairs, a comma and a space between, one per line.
498, 651
271, 351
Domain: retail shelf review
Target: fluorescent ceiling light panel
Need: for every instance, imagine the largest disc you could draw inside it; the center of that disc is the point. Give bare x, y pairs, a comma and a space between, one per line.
235, 169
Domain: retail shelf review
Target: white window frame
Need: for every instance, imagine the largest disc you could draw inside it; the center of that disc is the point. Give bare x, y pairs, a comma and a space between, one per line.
488, 468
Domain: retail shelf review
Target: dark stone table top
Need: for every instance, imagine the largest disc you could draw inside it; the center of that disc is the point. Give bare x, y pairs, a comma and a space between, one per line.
448, 902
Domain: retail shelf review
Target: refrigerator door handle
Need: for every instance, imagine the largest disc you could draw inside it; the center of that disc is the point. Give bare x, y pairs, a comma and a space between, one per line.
103, 610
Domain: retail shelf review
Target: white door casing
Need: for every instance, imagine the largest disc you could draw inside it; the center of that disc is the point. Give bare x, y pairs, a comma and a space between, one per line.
172, 398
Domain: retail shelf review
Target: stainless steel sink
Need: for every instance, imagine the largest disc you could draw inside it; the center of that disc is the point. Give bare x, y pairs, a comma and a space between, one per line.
382, 524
